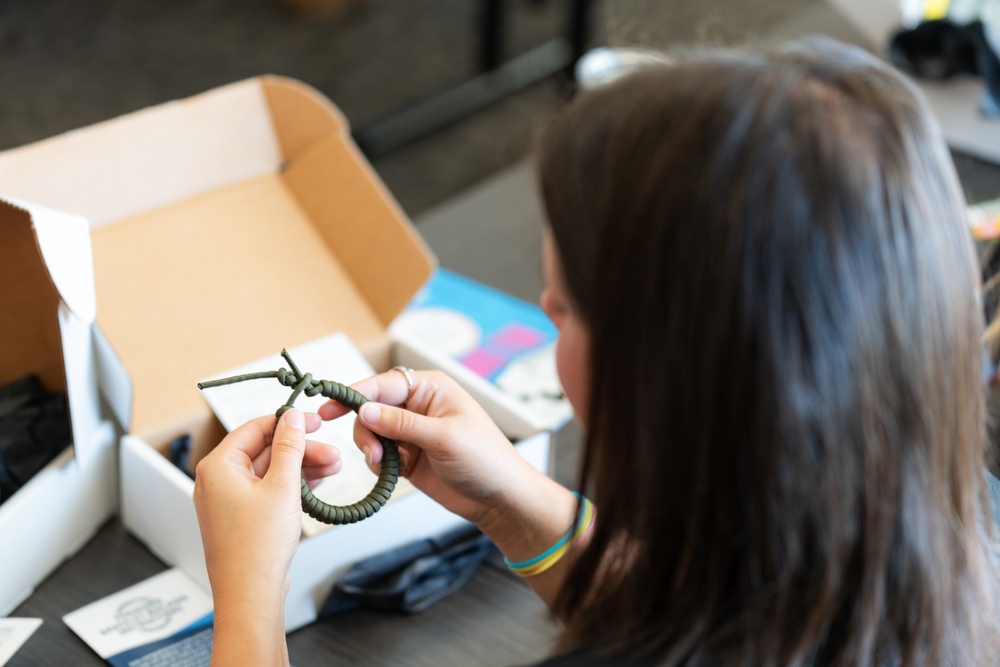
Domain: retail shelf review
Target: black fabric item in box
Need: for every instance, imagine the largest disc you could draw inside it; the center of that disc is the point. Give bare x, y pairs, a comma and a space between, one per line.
34, 429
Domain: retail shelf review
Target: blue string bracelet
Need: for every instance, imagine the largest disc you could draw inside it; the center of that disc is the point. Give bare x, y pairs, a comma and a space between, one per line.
578, 534
525, 568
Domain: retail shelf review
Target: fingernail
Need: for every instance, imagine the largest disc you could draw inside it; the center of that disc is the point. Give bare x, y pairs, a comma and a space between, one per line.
295, 419
368, 455
369, 413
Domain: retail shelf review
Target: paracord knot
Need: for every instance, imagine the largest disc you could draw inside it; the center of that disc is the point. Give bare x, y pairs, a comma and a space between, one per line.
350, 398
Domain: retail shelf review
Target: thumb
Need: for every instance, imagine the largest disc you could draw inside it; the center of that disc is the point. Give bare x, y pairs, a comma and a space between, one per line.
399, 424
288, 447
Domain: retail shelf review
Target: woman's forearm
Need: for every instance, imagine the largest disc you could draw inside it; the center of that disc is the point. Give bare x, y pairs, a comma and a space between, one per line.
531, 518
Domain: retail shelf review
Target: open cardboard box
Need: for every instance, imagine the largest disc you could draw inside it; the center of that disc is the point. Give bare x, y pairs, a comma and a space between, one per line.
226, 227
47, 296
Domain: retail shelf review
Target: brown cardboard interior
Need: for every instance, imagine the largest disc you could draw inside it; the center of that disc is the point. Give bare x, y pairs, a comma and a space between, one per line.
208, 284
243, 270
361, 223
29, 335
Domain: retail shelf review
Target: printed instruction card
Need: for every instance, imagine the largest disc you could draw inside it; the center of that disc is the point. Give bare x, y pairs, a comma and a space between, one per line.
164, 620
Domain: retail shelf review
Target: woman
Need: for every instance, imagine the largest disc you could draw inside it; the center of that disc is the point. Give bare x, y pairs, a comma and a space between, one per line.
764, 288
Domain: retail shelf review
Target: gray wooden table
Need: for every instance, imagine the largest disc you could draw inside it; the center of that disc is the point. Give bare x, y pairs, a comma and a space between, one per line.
493, 620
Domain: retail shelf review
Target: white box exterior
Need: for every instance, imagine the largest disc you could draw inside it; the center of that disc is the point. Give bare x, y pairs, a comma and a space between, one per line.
53, 515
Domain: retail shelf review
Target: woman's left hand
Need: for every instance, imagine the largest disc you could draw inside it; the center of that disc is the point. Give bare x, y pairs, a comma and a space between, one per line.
247, 496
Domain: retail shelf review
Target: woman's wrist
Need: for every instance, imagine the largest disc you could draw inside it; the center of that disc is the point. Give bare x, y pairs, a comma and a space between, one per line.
249, 598
249, 627
243, 597
530, 518
578, 534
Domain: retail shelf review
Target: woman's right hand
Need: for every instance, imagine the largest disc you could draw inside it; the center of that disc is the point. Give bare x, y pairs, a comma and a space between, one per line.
449, 447
452, 451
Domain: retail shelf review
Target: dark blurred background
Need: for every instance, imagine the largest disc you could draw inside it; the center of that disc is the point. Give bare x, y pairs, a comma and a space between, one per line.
66, 64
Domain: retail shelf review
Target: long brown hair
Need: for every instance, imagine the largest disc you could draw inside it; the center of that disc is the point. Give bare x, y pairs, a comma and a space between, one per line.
785, 426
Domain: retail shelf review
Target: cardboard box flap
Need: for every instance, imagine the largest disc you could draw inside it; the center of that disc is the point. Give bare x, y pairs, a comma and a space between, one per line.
113, 378
29, 336
361, 223
51, 304
64, 243
164, 154
301, 115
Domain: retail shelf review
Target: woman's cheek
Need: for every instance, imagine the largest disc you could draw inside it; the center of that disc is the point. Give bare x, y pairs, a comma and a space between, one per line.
572, 364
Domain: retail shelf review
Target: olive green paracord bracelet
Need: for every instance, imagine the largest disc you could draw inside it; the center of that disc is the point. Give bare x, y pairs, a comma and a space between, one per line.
348, 397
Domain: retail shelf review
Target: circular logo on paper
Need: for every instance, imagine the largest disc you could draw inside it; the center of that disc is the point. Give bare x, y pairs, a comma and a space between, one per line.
144, 614
441, 329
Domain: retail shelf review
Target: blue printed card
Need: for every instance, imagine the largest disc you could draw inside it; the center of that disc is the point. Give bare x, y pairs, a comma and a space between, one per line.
490, 340
164, 620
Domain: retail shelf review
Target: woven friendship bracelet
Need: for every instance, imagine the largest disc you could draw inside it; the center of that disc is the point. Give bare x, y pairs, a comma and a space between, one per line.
535, 566
311, 505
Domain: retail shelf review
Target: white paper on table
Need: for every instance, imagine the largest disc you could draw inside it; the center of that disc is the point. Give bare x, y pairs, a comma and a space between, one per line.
147, 618
13, 633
